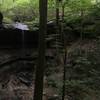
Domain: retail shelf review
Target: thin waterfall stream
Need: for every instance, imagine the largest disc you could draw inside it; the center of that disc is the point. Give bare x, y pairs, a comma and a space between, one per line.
23, 40
23, 46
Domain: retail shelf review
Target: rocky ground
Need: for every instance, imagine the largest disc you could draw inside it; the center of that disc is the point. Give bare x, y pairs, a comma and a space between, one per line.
17, 73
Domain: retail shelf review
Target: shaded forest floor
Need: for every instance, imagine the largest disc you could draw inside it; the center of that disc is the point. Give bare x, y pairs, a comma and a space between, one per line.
17, 73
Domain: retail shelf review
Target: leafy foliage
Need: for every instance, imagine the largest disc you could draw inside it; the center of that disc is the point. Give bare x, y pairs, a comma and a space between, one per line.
83, 72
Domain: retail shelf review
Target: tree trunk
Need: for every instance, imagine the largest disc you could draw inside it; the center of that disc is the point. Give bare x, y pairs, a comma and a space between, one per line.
57, 13
65, 52
38, 92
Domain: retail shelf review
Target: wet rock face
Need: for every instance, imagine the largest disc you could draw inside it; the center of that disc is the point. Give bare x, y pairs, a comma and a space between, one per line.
15, 38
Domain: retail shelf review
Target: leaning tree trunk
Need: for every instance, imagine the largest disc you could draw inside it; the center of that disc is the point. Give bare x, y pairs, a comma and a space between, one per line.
65, 51
38, 92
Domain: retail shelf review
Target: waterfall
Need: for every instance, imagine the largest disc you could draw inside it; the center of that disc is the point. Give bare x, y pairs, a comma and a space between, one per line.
23, 41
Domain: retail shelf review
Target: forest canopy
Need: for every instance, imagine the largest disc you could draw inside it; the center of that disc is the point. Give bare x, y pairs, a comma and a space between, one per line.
28, 10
